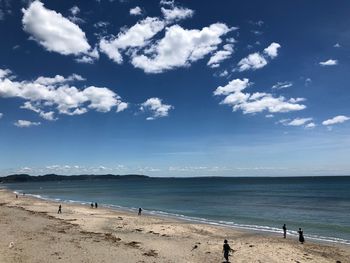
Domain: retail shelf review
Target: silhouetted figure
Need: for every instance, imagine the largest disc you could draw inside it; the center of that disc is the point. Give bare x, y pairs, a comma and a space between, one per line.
92, 205
59, 210
95, 205
226, 249
140, 211
284, 231
16, 196
301, 236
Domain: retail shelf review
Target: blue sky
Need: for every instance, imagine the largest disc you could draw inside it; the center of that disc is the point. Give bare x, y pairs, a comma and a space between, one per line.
175, 88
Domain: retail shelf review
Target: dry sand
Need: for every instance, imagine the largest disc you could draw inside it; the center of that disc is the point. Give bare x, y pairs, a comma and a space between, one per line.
32, 231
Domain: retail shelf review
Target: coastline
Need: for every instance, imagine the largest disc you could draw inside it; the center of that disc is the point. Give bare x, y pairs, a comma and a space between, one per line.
82, 234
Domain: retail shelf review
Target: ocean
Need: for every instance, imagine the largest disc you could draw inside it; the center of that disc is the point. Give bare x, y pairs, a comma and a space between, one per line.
319, 205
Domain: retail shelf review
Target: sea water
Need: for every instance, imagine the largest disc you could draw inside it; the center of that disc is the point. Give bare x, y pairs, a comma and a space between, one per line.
319, 205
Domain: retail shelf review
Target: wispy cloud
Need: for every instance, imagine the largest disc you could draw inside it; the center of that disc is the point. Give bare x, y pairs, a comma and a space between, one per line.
329, 62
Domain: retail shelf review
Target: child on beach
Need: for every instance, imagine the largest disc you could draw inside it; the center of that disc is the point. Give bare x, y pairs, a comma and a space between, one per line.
226, 249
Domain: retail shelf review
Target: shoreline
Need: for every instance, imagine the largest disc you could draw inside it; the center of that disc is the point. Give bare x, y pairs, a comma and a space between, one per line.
145, 238
255, 229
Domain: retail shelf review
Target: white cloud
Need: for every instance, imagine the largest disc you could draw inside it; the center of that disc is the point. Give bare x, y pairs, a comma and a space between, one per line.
136, 11
176, 13
44, 95
167, 2
136, 36
180, 47
310, 125
221, 55
336, 120
74, 10
299, 122
256, 102
253, 61
155, 108
122, 106
53, 31
234, 86
4, 72
58, 79
1, 115
256, 60
272, 50
25, 123
337, 45
282, 85
329, 62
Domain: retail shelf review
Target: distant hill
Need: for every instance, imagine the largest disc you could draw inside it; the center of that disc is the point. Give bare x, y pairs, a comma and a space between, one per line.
19, 178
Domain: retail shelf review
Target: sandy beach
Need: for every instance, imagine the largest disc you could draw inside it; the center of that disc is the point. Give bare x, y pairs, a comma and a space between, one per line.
32, 231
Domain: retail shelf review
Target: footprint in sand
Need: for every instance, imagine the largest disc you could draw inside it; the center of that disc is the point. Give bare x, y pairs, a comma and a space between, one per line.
151, 253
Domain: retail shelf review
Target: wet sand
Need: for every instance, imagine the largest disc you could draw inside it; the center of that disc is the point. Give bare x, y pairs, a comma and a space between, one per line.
32, 231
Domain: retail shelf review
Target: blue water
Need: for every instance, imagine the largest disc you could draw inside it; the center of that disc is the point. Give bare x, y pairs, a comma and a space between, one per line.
320, 205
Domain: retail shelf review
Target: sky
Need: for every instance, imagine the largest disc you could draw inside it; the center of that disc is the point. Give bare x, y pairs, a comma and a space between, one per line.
175, 88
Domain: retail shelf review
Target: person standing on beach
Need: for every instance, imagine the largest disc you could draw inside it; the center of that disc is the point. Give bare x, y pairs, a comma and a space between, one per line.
95, 205
140, 210
92, 205
226, 249
59, 210
301, 236
284, 231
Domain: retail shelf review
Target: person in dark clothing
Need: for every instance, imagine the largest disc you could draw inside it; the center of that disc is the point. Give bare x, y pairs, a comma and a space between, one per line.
16, 196
284, 231
140, 211
226, 249
301, 236
95, 205
92, 205
59, 210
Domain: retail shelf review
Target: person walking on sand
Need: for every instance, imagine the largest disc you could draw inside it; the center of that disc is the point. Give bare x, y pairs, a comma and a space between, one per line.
301, 236
140, 211
59, 209
226, 249
95, 205
284, 231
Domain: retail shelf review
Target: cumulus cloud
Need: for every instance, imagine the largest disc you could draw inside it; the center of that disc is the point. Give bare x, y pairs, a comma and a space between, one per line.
135, 36
46, 94
255, 102
136, 11
156, 108
272, 50
180, 47
336, 120
25, 123
176, 13
220, 56
53, 31
282, 85
329, 62
257, 60
252, 61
